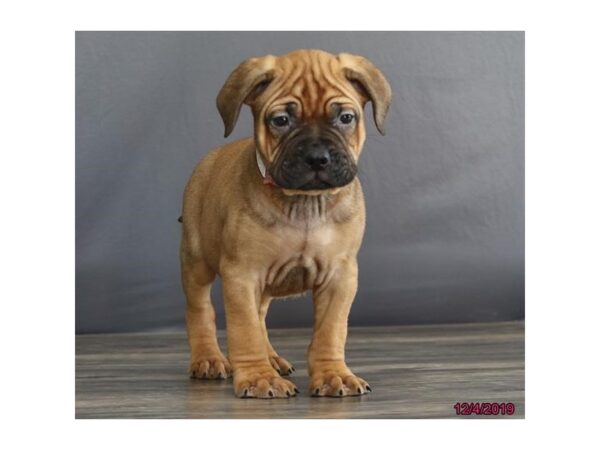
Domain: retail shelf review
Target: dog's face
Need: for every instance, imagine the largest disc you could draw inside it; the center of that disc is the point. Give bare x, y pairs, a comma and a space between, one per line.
308, 114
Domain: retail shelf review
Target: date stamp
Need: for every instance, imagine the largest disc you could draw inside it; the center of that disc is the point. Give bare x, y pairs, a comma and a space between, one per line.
484, 409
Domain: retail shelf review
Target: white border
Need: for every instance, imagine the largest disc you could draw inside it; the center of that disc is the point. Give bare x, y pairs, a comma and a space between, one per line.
37, 192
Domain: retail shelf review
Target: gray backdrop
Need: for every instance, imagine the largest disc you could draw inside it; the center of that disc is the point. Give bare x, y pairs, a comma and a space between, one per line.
444, 188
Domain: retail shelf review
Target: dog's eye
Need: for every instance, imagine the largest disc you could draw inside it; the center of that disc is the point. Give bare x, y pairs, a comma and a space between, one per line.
347, 118
281, 121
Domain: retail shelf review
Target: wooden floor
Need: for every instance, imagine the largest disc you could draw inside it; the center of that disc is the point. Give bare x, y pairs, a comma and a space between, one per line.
415, 372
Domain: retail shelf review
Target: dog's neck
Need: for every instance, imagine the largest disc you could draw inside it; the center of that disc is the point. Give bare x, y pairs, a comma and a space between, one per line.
296, 206
302, 207
305, 208
315, 210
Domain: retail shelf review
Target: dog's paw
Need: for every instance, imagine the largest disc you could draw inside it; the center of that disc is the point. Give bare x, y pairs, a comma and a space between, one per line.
337, 384
217, 368
281, 365
249, 383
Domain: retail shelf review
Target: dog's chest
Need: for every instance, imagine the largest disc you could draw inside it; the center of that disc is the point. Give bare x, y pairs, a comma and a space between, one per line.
303, 261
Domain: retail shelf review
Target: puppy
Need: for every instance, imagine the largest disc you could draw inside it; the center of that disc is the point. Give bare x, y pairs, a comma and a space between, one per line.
279, 214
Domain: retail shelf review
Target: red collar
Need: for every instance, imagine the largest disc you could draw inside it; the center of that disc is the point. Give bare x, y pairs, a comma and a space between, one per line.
267, 179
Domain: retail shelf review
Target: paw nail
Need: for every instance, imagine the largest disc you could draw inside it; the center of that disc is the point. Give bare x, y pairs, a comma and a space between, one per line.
288, 393
317, 391
270, 393
369, 389
296, 390
205, 374
341, 392
245, 393
359, 390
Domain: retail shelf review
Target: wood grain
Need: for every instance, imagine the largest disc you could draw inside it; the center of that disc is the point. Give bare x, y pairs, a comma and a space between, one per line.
415, 372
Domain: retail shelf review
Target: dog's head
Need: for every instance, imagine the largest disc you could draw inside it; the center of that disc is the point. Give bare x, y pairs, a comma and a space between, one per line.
308, 114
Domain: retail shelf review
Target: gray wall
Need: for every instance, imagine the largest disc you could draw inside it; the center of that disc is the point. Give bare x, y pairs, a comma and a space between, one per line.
444, 188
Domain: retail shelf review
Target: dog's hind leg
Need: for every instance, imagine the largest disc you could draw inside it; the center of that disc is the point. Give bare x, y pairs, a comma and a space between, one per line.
207, 360
280, 364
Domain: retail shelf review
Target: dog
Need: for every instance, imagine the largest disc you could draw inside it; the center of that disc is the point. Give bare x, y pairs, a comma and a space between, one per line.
279, 214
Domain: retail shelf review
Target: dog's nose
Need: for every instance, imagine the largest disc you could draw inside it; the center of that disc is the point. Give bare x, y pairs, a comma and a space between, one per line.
317, 154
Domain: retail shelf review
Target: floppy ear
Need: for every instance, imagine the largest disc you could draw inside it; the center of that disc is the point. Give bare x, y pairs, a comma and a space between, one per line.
371, 81
245, 81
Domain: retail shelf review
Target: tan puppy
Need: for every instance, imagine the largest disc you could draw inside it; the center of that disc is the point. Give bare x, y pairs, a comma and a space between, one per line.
280, 214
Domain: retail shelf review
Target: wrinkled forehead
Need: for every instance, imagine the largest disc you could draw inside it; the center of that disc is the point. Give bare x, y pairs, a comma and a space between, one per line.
314, 81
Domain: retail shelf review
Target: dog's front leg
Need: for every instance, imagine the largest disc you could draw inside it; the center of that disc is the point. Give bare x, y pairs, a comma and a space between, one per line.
329, 374
253, 375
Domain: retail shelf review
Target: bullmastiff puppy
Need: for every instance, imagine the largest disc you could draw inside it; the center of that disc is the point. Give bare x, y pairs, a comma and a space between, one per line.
279, 214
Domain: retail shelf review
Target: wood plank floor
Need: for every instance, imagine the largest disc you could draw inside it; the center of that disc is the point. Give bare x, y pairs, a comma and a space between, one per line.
415, 372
